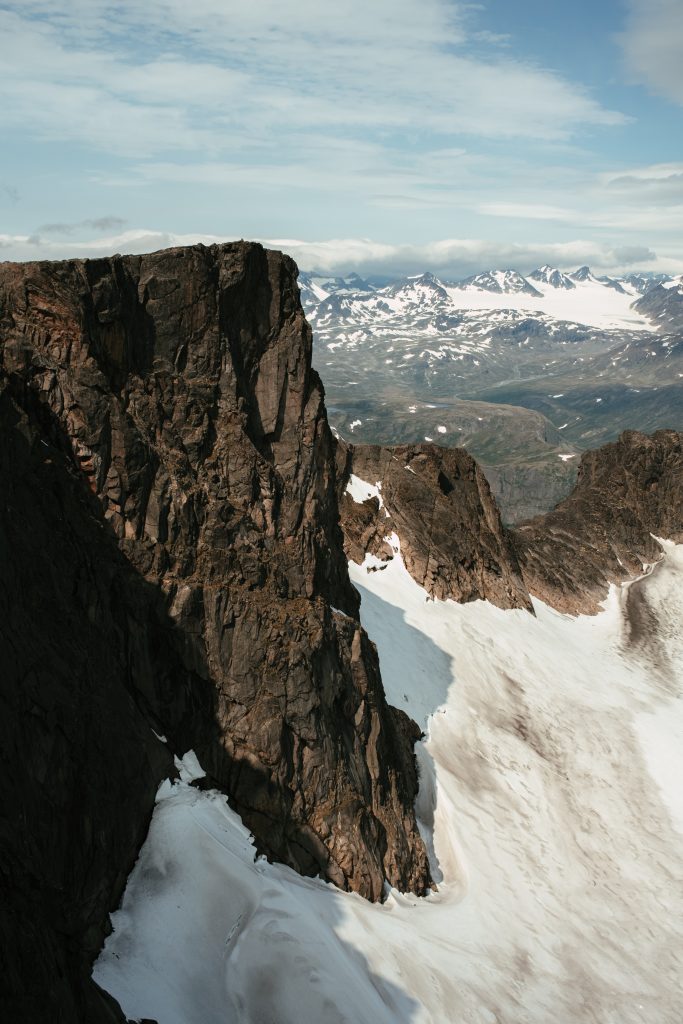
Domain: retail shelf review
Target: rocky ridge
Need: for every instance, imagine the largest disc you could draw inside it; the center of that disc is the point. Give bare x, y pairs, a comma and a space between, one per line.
438, 503
170, 533
176, 579
627, 494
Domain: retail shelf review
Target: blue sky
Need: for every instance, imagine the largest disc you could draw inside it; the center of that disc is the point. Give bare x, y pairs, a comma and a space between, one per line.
380, 135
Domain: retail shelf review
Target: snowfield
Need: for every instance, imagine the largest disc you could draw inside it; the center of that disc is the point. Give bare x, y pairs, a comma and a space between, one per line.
588, 302
550, 798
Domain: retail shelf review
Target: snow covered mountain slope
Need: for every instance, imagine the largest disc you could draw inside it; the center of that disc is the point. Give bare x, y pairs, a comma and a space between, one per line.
501, 281
550, 796
553, 277
581, 299
407, 359
585, 301
664, 304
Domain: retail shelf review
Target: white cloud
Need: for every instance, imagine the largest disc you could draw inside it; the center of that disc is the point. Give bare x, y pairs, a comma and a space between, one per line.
653, 43
450, 257
219, 76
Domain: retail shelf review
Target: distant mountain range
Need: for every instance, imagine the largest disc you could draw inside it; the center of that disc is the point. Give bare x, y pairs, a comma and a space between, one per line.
524, 371
501, 281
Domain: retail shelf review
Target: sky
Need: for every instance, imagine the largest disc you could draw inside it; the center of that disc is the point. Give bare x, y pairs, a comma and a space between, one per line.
385, 136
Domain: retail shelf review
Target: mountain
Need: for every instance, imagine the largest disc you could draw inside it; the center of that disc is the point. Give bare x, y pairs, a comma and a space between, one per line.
175, 579
553, 277
586, 274
641, 283
316, 288
611, 282
663, 304
439, 506
422, 290
506, 282
197, 739
526, 380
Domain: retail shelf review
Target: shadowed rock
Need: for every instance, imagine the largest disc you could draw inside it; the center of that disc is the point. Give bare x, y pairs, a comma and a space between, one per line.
603, 532
438, 502
166, 448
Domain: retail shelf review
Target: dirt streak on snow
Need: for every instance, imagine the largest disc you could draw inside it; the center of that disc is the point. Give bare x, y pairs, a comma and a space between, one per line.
550, 786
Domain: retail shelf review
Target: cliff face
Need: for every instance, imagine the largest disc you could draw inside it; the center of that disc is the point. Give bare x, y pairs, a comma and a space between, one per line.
174, 577
170, 534
453, 543
439, 504
603, 532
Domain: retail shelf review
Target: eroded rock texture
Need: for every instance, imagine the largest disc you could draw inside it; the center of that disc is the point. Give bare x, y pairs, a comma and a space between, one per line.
172, 560
603, 532
438, 502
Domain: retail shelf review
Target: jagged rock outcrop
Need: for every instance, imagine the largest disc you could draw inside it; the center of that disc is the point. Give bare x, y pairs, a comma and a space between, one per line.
663, 304
453, 543
439, 504
603, 532
172, 561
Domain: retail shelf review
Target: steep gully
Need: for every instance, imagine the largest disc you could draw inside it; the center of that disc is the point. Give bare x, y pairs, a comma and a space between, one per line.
173, 566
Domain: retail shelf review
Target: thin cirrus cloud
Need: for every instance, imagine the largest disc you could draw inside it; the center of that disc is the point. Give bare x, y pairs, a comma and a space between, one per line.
217, 74
97, 224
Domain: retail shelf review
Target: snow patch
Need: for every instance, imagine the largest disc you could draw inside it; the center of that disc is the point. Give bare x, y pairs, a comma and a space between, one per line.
550, 797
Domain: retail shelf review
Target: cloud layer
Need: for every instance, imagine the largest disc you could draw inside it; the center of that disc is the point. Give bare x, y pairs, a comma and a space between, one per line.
449, 258
403, 120
217, 75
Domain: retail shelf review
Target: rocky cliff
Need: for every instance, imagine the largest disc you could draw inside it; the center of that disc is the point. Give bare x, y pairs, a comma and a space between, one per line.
627, 494
439, 504
173, 567
174, 577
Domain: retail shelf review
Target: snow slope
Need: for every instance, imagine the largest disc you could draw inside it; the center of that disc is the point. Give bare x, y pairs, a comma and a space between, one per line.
589, 302
550, 784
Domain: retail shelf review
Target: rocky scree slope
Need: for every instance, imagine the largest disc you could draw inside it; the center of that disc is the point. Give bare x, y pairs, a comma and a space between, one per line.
173, 565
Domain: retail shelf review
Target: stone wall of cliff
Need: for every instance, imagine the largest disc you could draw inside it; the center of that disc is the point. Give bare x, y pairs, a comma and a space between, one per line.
170, 537
627, 494
438, 502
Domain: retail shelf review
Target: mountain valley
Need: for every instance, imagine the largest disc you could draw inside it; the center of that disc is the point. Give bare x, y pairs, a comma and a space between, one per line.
295, 728
556, 363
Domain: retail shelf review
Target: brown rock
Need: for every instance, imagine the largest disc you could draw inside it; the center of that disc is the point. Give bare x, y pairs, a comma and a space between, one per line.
190, 548
440, 506
603, 532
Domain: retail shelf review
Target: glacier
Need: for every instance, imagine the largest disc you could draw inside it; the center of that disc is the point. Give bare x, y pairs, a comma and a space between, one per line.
551, 802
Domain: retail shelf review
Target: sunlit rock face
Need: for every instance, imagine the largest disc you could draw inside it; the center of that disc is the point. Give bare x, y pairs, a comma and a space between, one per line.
166, 442
627, 494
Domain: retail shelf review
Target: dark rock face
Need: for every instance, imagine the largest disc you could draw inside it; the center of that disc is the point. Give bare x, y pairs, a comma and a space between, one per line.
602, 533
438, 502
81, 651
664, 306
170, 522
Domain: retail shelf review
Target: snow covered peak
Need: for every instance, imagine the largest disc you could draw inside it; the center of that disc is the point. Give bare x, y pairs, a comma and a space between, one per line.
356, 283
615, 284
641, 283
508, 282
423, 288
583, 274
553, 277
